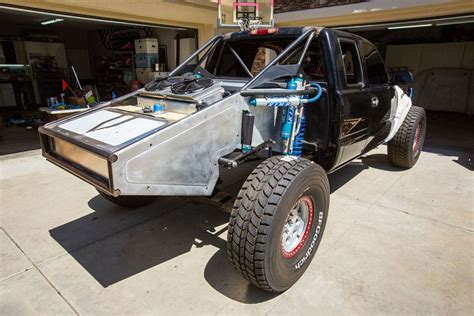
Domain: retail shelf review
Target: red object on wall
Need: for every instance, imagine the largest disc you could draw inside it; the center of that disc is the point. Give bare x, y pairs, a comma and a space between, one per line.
64, 84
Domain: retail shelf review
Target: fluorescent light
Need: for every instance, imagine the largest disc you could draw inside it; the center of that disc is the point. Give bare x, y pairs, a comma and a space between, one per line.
83, 18
454, 22
51, 21
13, 65
408, 26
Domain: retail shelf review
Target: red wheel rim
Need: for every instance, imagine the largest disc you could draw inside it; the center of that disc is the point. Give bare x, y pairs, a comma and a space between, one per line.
416, 142
305, 207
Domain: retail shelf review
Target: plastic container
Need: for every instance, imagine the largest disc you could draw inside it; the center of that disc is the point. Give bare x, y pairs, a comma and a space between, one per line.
146, 46
158, 108
146, 60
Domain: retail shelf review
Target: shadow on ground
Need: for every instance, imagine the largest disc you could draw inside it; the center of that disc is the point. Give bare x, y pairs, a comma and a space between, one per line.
132, 241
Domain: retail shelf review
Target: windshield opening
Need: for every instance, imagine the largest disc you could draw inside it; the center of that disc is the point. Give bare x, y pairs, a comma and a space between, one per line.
256, 53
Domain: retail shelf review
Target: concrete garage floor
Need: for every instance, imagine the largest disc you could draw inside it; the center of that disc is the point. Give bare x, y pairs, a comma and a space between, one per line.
395, 242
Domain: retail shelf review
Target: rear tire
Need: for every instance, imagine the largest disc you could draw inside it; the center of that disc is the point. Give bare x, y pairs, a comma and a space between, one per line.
265, 243
405, 147
128, 201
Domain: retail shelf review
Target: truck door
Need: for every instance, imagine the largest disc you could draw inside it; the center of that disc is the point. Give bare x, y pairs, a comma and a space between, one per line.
355, 103
381, 94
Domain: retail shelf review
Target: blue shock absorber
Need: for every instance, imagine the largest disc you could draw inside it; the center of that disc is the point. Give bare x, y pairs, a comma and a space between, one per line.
297, 149
287, 123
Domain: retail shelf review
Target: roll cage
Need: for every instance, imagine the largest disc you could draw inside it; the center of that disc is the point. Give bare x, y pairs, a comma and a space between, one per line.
275, 69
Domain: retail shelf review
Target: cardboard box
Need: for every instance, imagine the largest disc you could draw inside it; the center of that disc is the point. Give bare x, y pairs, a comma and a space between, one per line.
77, 101
146, 60
143, 75
146, 46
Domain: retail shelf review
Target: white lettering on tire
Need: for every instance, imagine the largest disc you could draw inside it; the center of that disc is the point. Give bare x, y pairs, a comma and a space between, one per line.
303, 260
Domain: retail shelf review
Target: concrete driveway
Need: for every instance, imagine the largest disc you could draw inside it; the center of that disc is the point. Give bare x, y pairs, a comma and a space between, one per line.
395, 242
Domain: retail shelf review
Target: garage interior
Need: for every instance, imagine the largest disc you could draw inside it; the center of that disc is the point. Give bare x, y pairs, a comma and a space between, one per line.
53, 64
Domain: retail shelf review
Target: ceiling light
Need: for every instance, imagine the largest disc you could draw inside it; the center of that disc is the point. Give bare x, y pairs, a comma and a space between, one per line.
455, 22
51, 21
408, 26
13, 65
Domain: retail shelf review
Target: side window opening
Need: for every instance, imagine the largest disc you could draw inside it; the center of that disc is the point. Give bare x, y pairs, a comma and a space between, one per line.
350, 58
312, 62
376, 71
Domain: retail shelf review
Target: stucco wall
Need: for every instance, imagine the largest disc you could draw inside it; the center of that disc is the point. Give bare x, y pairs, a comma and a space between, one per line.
146, 11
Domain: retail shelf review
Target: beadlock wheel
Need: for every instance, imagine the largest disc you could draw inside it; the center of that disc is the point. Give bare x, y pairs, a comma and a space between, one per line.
297, 226
278, 221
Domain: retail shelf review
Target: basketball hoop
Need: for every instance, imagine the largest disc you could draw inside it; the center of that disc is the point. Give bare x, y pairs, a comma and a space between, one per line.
247, 24
246, 14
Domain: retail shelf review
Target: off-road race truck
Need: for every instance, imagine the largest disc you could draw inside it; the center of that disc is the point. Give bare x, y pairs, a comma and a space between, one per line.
307, 100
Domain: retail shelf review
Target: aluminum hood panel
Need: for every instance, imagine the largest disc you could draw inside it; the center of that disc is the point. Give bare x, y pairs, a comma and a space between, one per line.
111, 128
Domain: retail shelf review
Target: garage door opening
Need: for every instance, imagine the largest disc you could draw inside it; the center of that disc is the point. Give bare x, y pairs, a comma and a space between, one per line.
52, 65
440, 54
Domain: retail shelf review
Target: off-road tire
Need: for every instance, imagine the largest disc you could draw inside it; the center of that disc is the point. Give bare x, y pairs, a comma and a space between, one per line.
128, 201
401, 149
254, 239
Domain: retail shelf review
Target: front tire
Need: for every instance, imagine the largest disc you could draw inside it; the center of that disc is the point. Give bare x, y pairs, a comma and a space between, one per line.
265, 243
405, 147
128, 201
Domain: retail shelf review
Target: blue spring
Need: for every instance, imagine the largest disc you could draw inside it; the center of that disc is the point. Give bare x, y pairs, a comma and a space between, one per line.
297, 148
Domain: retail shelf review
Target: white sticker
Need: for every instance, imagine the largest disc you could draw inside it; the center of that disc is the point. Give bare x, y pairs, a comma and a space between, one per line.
289, 158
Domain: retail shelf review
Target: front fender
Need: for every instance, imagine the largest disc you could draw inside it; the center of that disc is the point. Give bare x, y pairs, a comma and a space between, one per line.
401, 104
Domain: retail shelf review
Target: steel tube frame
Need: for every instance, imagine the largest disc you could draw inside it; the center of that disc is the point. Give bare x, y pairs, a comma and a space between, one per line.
290, 47
196, 53
241, 62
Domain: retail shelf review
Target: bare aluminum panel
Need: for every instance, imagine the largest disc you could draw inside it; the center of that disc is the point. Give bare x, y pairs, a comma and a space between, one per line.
181, 159
81, 156
111, 128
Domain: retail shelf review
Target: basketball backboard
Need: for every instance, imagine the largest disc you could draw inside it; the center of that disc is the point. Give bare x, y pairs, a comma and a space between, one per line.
230, 12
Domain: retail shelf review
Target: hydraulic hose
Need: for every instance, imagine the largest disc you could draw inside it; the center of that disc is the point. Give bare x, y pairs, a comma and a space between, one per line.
297, 148
317, 96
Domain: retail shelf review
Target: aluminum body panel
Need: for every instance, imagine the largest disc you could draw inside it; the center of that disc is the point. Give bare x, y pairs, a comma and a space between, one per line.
264, 124
81, 156
169, 105
107, 129
181, 159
